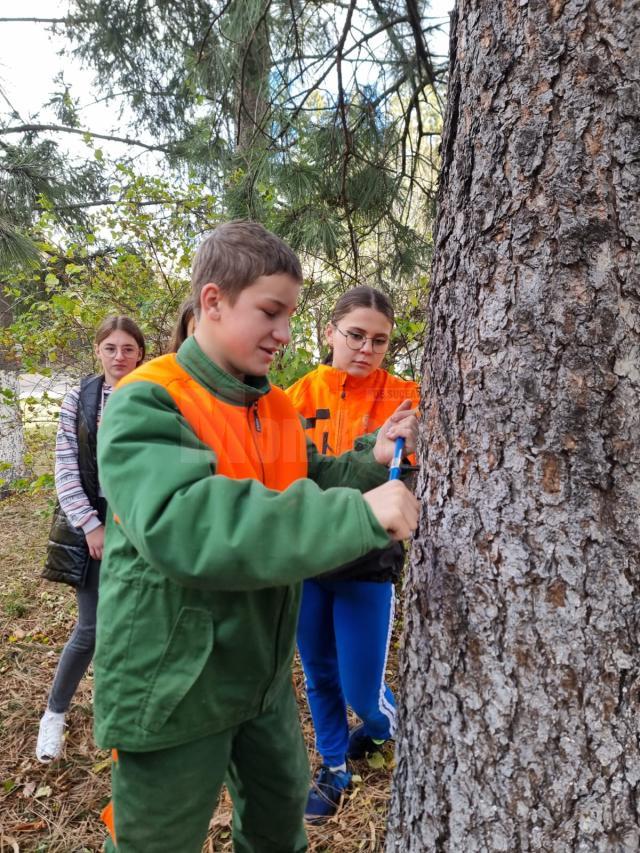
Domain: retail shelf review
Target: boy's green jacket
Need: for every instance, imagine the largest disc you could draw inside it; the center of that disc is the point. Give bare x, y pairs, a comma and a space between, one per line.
200, 579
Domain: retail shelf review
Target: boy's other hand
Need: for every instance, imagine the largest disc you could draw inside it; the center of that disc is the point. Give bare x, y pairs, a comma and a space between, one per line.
395, 508
403, 422
95, 541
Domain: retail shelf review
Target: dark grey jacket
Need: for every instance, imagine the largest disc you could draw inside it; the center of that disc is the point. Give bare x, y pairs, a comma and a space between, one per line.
379, 566
67, 551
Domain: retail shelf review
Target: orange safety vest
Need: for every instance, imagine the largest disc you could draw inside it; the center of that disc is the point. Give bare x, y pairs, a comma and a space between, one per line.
338, 408
263, 441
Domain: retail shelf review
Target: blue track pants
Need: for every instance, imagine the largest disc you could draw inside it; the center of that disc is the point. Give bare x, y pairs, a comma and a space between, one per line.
343, 638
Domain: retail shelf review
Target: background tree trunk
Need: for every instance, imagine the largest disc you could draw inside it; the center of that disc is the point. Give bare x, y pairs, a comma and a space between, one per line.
11, 432
521, 697
252, 93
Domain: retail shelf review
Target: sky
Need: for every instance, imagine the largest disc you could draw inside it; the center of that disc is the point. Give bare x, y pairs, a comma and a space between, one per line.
30, 59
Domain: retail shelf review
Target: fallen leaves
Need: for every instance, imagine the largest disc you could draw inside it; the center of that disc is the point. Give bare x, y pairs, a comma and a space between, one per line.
30, 826
101, 765
28, 790
43, 791
376, 761
61, 802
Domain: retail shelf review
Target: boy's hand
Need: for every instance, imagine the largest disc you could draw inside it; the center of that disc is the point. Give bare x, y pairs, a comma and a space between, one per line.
395, 508
403, 422
95, 541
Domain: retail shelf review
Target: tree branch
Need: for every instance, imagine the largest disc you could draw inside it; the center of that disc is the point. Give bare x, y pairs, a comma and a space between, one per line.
105, 202
422, 51
43, 20
213, 22
60, 128
342, 109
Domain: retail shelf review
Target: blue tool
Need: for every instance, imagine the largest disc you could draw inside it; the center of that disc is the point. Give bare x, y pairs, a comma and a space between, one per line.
398, 451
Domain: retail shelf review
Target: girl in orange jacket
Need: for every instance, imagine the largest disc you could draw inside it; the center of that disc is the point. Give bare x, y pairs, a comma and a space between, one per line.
347, 615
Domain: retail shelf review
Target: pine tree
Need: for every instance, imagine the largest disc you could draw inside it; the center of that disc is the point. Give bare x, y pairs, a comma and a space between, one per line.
520, 680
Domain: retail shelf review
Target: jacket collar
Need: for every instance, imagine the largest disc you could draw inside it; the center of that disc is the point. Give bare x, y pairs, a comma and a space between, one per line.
339, 379
216, 380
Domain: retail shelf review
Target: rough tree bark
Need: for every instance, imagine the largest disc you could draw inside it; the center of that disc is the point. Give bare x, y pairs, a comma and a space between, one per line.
519, 728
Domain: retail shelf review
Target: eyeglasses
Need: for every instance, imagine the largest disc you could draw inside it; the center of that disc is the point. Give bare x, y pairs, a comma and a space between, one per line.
111, 351
356, 341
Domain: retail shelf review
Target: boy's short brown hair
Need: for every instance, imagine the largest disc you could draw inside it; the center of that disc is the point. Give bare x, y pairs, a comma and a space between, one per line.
235, 254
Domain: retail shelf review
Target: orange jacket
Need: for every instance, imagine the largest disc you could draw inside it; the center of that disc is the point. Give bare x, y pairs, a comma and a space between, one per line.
338, 408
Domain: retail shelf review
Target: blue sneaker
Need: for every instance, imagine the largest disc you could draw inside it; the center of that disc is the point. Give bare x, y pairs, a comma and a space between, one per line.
360, 744
326, 792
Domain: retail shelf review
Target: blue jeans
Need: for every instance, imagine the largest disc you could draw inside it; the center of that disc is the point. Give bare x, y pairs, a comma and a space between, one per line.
78, 652
343, 638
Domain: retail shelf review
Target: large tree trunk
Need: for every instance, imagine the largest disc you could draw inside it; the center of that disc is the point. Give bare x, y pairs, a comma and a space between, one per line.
11, 432
521, 699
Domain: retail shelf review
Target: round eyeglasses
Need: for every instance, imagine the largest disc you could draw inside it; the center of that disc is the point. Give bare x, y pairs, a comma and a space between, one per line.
356, 341
127, 350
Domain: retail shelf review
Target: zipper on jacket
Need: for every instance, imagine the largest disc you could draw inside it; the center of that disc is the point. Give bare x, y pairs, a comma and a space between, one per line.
252, 413
340, 417
256, 418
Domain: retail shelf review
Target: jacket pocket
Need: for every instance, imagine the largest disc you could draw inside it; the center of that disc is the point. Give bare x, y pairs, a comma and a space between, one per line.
67, 552
183, 659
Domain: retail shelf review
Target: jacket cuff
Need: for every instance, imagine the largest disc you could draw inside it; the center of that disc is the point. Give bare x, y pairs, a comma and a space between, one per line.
366, 441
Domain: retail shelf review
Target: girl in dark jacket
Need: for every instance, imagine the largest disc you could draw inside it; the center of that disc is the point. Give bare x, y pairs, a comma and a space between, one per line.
76, 539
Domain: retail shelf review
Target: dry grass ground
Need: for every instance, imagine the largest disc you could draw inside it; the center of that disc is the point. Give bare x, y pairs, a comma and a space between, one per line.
54, 808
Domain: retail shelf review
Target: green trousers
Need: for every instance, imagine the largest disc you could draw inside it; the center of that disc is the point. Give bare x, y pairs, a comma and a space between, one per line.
163, 801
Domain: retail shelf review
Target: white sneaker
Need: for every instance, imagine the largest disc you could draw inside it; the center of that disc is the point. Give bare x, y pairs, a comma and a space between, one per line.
50, 737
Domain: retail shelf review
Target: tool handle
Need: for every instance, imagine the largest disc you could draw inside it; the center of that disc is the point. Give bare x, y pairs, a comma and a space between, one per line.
394, 468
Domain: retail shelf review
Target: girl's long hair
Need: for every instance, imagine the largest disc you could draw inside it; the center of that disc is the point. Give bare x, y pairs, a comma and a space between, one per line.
181, 329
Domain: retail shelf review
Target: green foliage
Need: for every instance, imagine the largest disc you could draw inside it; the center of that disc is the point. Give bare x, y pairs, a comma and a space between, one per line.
65, 106
313, 119
15, 605
135, 260
34, 177
301, 354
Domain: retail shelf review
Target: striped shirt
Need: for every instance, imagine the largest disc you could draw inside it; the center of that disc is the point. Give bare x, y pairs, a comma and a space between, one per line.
73, 499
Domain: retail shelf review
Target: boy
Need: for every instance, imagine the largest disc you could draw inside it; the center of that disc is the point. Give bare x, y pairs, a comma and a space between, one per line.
201, 574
